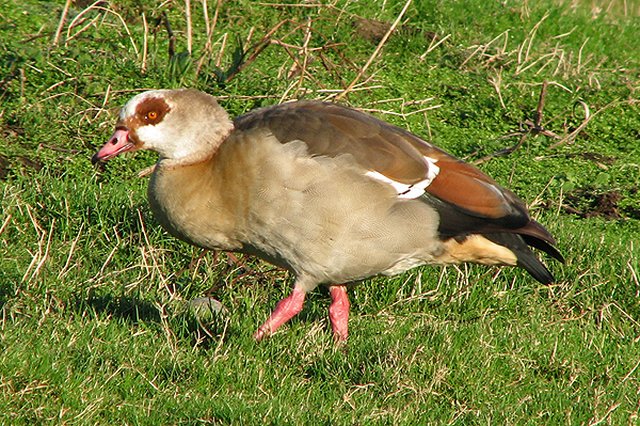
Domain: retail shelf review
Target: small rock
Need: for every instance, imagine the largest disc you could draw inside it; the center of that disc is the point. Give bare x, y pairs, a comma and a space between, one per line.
206, 307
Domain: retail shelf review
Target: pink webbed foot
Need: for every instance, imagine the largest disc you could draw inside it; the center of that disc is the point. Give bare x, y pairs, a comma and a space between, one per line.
286, 309
339, 312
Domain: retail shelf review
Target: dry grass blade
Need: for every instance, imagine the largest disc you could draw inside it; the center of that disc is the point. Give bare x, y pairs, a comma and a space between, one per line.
106, 262
205, 16
549, 56
81, 30
44, 254
634, 274
256, 49
40, 235
210, 28
145, 42
588, 117
403, 106
525, 48
187, 14
305, 53
63, 18
433, 45
481, 50
98, 6
606, 415
303, 5
105, 100
630, 373
223, 47
360, 87
74, 243
5, 223
580, 64
146, 171
376, 52
496, 82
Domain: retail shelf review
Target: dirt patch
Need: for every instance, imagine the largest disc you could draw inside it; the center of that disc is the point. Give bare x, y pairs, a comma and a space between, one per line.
587, 203
4, 167
371, 29
597, 157
19, 164
374, 30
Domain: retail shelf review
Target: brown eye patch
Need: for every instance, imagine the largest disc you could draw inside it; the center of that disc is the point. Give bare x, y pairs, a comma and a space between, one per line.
152, 110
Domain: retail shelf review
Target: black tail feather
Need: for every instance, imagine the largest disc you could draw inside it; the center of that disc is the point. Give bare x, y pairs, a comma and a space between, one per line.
516, 232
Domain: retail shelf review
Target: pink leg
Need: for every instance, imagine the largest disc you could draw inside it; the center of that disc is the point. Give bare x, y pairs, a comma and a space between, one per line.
286, 309
339, 312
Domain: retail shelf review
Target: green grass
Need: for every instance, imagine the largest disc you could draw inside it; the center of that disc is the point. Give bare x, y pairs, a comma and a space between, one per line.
94, 327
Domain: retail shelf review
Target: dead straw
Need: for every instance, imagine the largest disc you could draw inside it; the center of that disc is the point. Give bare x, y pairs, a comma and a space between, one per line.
375, 52
63, 18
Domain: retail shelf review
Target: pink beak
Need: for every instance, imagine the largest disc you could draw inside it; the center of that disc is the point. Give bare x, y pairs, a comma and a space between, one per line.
118, 144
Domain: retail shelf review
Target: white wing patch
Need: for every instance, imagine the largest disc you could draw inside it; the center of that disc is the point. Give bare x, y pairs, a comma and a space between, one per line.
414, 190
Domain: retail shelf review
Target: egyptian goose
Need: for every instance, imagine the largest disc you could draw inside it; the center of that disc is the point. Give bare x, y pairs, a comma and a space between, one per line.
330, 193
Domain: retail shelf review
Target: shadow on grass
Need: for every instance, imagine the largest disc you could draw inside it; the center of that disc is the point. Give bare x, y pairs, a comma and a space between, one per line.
3, 298
7, 289
130, 309
183, 323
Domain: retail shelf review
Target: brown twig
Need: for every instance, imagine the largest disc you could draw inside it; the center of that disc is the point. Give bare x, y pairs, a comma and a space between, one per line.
170, 34
538, 115
534, 127
504, 151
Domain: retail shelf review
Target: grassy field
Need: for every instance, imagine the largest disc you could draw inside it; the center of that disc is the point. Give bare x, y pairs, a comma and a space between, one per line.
95, 325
